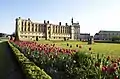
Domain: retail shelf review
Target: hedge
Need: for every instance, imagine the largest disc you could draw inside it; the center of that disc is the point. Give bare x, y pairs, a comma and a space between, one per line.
28, 67
104, 41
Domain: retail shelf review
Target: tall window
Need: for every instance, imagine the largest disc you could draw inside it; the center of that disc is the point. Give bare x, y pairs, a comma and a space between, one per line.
22, 23
56, 29
22, 28
61, 29
39, 28
32, 27
28, 26
25, 28
53, 28
36, 28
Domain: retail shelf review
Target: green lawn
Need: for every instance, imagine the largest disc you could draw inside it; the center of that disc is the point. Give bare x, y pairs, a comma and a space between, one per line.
101, 48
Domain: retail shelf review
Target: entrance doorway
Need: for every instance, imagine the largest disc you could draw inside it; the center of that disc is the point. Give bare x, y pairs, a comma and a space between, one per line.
36, 38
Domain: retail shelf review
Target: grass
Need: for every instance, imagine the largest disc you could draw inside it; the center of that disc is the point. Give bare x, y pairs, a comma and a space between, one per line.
101, 48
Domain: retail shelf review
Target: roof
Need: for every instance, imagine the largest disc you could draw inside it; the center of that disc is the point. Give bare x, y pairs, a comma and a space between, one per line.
84, 34
109, 31
97, 34
76, 25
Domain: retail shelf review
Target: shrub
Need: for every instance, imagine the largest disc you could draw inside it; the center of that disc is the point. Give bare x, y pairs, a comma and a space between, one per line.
29, 68
63, 64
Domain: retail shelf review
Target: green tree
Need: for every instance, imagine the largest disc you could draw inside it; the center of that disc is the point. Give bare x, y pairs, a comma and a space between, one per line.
115, 38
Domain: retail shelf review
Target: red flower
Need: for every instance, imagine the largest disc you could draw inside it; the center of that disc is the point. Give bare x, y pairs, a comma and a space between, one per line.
116, 77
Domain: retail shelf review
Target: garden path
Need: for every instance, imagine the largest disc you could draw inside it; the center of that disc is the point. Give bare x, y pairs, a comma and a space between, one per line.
9, 68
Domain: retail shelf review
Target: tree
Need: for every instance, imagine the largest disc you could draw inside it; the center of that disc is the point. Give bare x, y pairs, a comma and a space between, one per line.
115, 38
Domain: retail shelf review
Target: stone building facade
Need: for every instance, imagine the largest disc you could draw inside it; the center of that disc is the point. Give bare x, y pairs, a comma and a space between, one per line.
106, 35
29, 30
84, 36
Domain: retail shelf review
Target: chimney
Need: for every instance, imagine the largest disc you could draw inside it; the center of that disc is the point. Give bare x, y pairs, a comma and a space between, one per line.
48, 22
19, 17
28, 18
44, 21
66, 24
60, 23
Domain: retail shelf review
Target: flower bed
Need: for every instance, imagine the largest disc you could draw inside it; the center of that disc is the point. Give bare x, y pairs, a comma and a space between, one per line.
69, 64
29, 68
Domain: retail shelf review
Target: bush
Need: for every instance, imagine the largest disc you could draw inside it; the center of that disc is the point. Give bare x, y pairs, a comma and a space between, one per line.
29, 68
104, 41
78, 65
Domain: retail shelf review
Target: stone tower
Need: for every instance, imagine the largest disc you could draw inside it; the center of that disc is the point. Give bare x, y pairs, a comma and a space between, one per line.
72, 30
18, 28
48, 31
72, 21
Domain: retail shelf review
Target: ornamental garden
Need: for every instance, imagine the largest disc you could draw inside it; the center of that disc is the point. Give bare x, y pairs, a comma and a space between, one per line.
67, 59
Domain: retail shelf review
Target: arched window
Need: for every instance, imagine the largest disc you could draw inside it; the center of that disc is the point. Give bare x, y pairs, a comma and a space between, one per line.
53, 28
28, 26
56, 29
32, 27
36, 28
22, 23
39, 28
22, 28
61, 29
25, 28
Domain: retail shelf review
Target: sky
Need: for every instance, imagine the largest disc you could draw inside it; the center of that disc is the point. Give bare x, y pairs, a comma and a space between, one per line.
92, 15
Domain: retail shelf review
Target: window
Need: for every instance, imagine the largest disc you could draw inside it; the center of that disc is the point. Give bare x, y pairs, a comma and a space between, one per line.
56, 29
28, 26
22, 23
53, 29
32, 27
61, 29
48, 32
25, 28
22, 28
25, 24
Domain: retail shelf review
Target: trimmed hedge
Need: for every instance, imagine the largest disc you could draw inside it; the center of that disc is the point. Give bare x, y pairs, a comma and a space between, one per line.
104, 41
29, 68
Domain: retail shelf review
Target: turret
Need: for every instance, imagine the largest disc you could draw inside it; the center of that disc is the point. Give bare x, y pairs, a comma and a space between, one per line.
44, 21
72, 20
18, 28
59, 23
72, 32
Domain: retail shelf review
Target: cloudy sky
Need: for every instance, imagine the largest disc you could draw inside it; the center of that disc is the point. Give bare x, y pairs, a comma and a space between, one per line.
93, 15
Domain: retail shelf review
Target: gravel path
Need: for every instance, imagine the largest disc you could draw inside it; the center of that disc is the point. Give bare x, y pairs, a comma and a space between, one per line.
9, 68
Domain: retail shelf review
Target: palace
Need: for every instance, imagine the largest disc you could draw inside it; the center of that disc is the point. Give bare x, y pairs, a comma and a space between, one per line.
29, 30
106, 35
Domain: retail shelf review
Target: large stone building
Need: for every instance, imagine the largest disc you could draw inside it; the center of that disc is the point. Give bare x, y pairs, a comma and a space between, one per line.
106, 35
84, 36
29, 30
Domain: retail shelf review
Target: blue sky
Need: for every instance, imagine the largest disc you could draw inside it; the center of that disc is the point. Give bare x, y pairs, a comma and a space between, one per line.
93, 15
